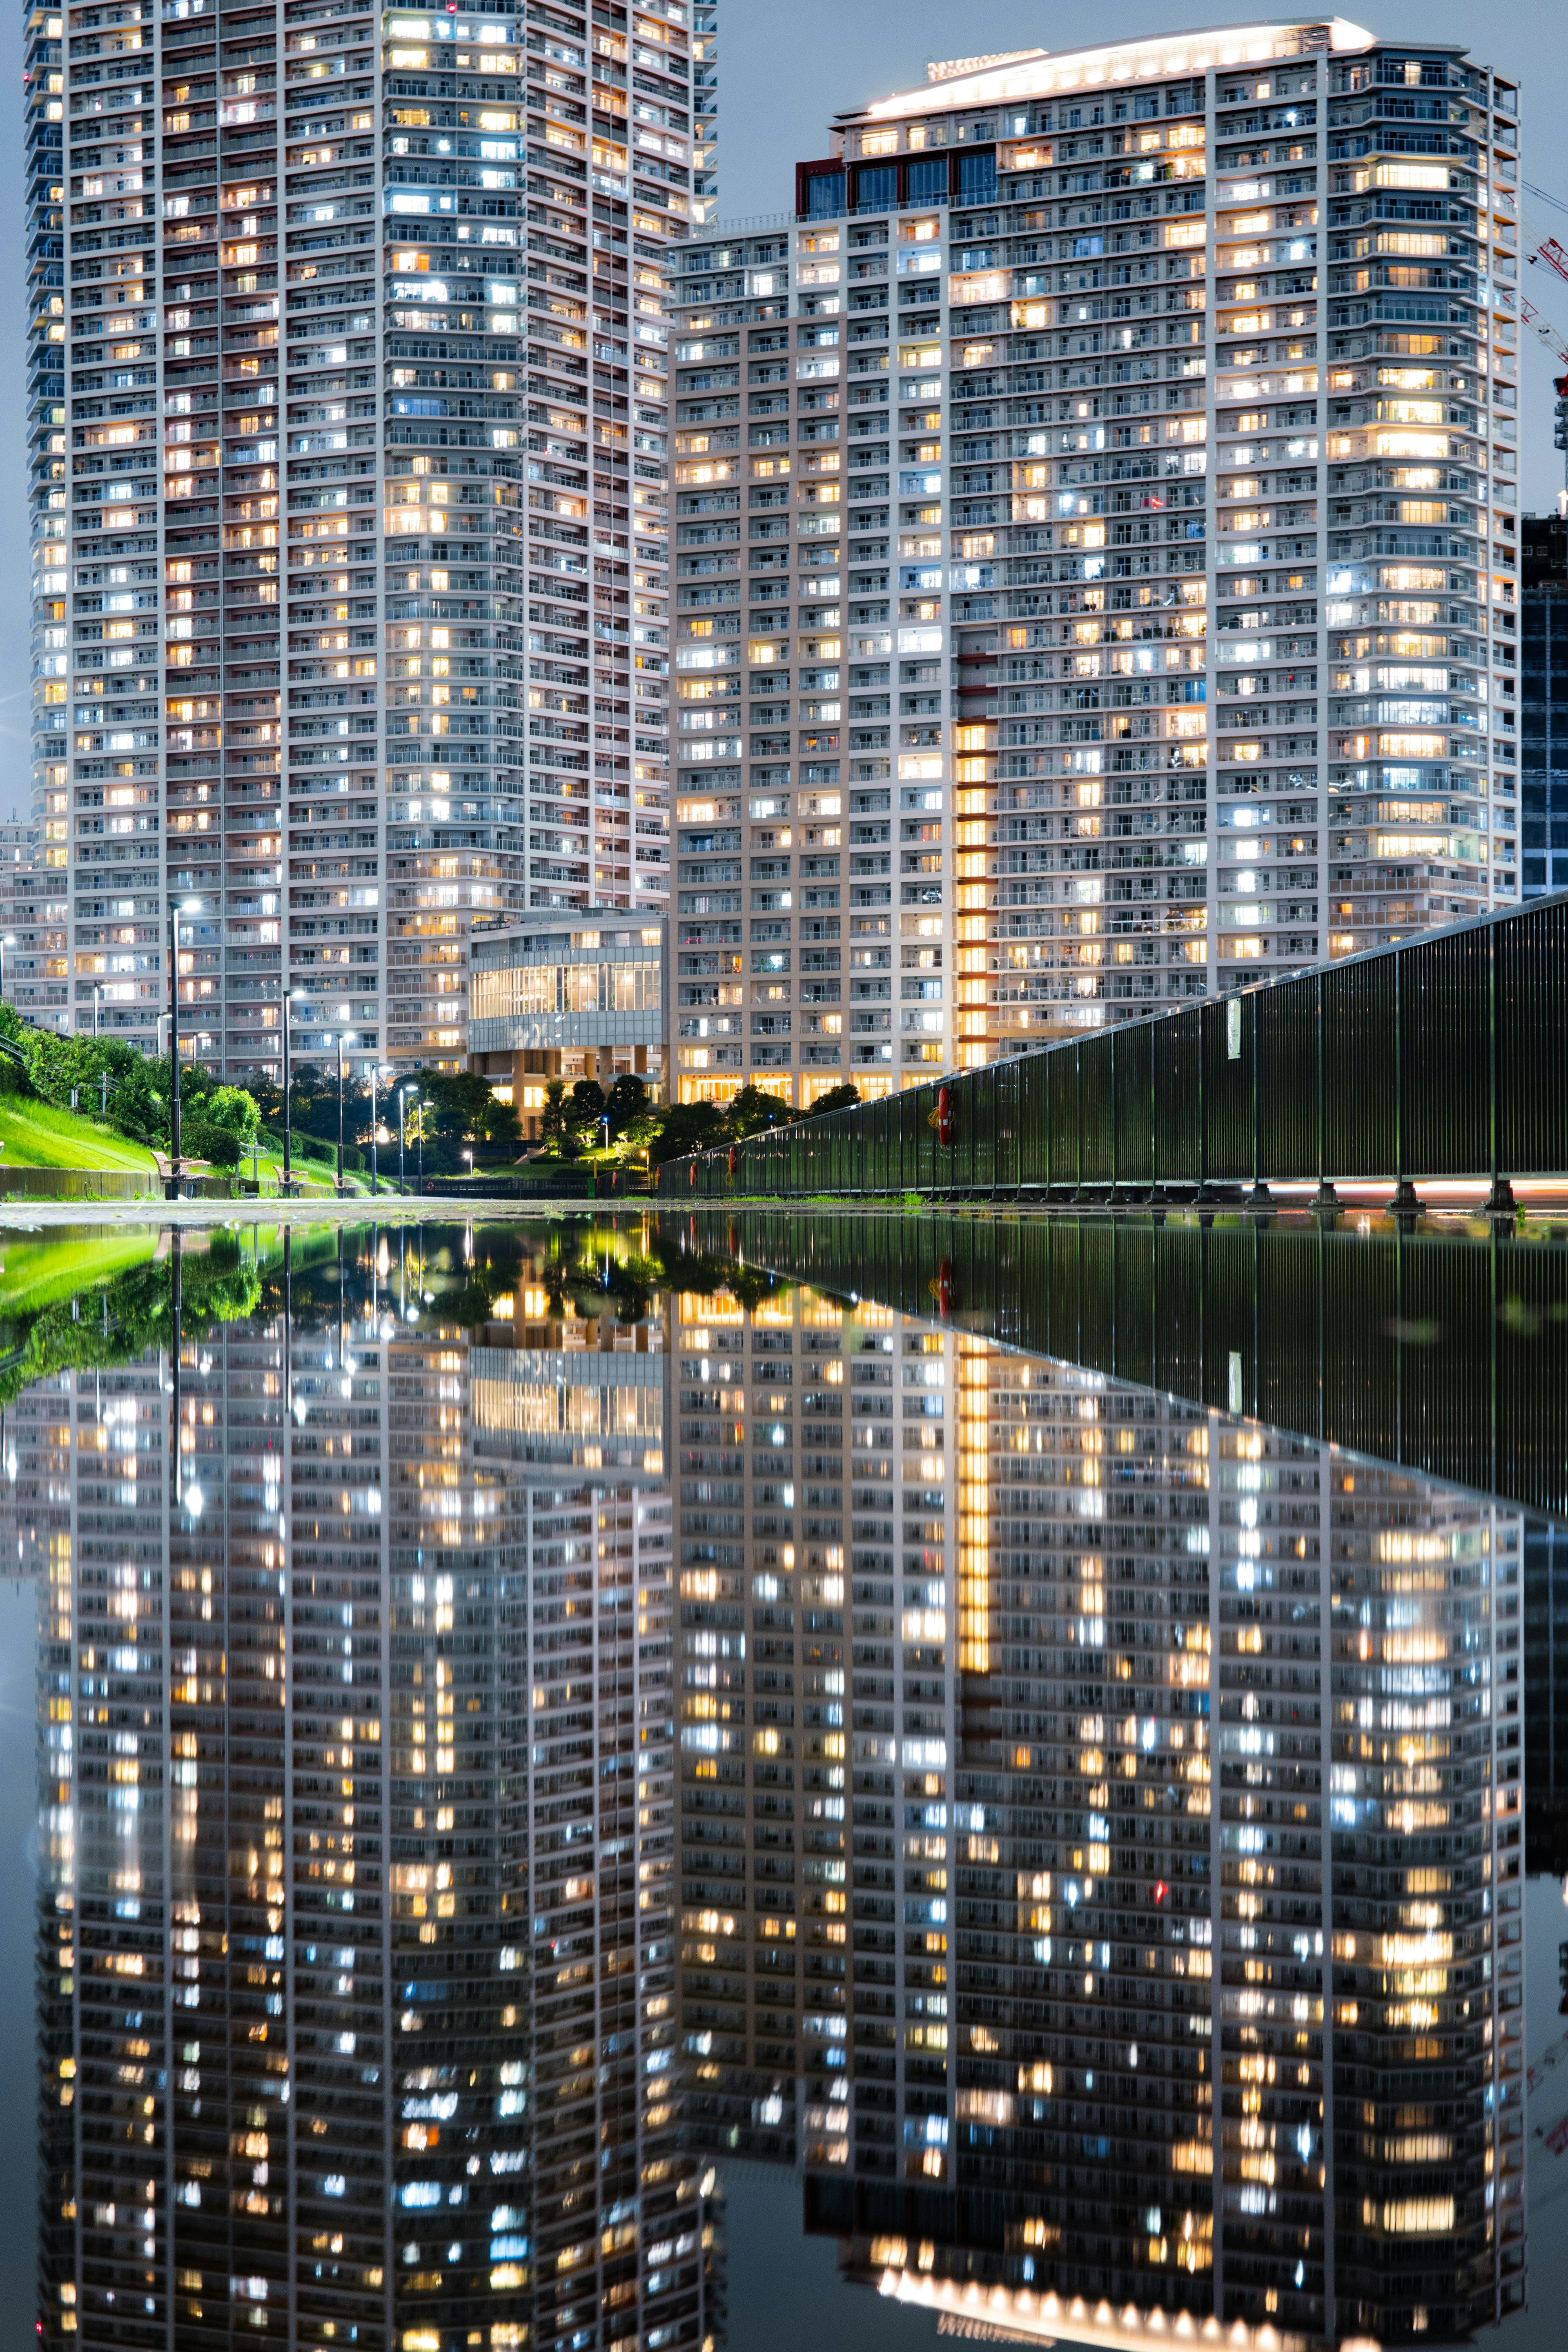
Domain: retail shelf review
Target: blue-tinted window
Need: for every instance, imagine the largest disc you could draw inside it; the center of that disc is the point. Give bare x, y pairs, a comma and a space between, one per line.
824, 194
977, 177
876, 187
928, 178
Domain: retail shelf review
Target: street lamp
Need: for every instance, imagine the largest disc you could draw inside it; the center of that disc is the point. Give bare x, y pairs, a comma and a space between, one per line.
375, 1133
191, 907
403, 1092
345, 1037
287, 1083
97, 995
469, 1157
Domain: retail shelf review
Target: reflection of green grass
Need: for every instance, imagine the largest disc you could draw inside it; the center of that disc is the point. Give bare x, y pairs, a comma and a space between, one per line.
39, 1273
36, 1135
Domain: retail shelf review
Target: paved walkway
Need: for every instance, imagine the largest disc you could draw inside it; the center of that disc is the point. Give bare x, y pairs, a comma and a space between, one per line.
355, 1208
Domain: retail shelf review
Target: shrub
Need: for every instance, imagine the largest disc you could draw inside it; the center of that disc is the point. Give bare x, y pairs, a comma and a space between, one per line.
201, 1139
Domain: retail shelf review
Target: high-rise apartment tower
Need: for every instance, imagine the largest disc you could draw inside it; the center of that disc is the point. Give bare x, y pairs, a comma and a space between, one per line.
1096, 511
348, 409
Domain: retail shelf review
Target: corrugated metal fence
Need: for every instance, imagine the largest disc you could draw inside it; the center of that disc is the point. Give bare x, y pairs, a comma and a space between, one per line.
1445, 1057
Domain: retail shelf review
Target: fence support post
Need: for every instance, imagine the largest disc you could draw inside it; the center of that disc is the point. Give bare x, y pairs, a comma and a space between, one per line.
1500, 1202
1078, 1109
1259, 1196
1325, 1198
1204, 1193
1406, 1202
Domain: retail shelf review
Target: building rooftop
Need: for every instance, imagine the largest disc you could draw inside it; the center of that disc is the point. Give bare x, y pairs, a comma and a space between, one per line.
1040, 73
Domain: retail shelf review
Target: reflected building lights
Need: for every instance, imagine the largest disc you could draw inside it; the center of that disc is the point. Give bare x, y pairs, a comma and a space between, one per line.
1148, 1887
355, 1956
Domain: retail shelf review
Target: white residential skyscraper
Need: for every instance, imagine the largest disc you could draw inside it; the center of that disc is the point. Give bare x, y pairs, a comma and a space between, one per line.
348, 382
1096, 511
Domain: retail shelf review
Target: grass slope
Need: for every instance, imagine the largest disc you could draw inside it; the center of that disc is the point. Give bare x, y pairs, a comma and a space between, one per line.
36, 1135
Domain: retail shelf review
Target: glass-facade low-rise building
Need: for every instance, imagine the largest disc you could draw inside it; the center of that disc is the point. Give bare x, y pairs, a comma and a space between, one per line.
576, 996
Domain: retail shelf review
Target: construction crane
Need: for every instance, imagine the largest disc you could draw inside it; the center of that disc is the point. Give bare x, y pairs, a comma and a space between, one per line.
1548, 253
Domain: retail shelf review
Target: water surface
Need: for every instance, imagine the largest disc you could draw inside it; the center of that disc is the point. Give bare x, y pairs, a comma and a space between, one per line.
671, 1782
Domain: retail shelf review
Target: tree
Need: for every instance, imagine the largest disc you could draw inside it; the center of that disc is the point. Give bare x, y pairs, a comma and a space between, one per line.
553, 1127
584, 1110
626, 1101
234, 1109
689, 1127
461, 1113
836, 1099
751, 1110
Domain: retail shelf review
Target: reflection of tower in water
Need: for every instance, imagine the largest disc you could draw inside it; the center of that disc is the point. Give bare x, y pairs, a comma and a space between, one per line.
355, 1940
1155, 1915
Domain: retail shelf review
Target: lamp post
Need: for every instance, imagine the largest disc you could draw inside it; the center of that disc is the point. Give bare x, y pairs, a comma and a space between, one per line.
287, 1115
404, 1091
191, 907
96, 997
345, 1037
419, 1118
374, 1130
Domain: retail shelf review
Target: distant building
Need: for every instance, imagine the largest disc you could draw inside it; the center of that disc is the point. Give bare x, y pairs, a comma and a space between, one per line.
569, 996
33, 925
1543, 718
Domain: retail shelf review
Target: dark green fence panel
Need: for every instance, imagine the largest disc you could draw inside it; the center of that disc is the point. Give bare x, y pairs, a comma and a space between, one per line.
1227, 1090
1286, 1026
982, 1130
1286, 1278
1532, 1014
1009, 1090
1133, 1257
1065, 1135
1360, 1345
1359, 1067
1530, 1332
1097, 1107
1176, 1044
1066, 1319
1446, 1054
1096, 1286
1033, 1072
1179, 1307
1443, 1308
1229, 1318
925, 1139
1134, 1104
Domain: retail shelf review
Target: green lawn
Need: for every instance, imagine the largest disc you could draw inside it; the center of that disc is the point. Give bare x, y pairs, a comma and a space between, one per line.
36, 1135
